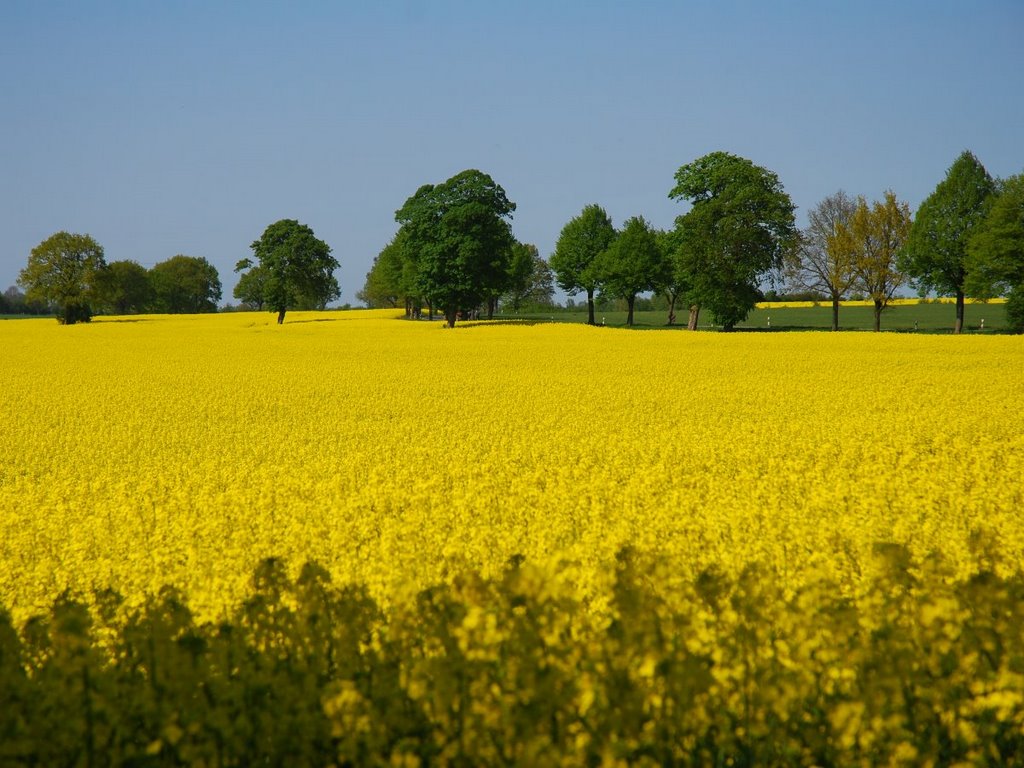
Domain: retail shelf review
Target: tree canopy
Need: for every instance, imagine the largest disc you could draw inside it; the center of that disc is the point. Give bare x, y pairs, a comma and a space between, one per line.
124, 287
297, 268
874, 237
995, 251
820, 263
62, 271
935, 255
460, 234
634, 263
530, 278
582, 240
739, 228
185, 284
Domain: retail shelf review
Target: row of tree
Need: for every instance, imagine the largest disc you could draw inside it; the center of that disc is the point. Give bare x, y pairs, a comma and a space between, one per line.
454, 250
967, 238
455, 253
67, 275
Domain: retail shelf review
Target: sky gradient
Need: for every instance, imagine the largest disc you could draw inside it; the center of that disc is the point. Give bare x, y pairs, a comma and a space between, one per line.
188, 127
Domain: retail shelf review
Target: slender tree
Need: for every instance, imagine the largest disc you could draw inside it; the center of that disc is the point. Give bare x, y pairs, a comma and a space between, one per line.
582, 240
62, 271
530, 278
820, 262
935, 256
737, 231
633, 263
874, 236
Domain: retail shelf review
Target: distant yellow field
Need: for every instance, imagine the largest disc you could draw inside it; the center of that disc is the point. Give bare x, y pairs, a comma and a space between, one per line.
150, 450
869, 302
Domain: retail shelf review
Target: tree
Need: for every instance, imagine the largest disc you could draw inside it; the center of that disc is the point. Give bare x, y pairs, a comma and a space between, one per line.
738, 230
462, 240
633, 263
298, 269
251, 285
820, 263
530, 278
677, 285
383, 286
935, 255
62, 271
874, 237
124, 287
185, 285
995, 251
582, 240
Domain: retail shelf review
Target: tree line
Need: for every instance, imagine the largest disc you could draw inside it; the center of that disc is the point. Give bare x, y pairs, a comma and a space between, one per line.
454, 253
67, 275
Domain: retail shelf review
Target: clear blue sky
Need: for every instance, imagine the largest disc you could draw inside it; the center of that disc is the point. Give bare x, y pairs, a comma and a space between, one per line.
187, 127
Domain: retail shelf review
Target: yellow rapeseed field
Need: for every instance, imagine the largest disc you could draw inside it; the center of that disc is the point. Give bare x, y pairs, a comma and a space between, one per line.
160, 450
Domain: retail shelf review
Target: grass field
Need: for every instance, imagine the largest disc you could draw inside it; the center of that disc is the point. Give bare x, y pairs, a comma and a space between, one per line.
930, 317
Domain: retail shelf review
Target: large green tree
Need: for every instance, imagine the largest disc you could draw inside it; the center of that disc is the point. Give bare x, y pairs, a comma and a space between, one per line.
995, 252
460, 233
185, 285
935, 255
634, 263
62, 271
298, 268
821, 263
738, 230
124, 287
874, 237
582, 240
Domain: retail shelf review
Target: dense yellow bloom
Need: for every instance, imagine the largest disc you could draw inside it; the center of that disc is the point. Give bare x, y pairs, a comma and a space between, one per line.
145, 451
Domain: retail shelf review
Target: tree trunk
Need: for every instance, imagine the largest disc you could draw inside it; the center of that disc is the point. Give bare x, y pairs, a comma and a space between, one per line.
629, 315
491, 304
691, 324
590, 307
450, 315
430, 311
835, 313
959, 312
671, 310
878, 315
280, 315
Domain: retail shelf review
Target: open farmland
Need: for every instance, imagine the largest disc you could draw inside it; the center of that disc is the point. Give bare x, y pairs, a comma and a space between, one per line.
184, 450
151, 451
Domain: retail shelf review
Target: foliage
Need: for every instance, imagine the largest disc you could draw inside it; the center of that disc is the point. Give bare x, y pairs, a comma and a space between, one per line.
460, 233
580, 244
185, 285
633, 263
995, 258
124, 287
738, 230
531, 281
297, 268
251, 286
935, 256
874, 237
820, 263
62, 271
513, 670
